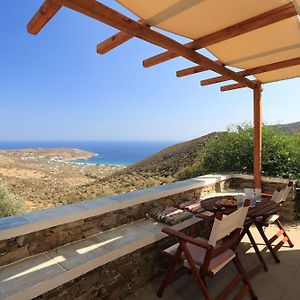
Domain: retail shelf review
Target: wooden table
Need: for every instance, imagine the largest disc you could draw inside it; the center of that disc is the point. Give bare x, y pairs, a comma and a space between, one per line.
262, 210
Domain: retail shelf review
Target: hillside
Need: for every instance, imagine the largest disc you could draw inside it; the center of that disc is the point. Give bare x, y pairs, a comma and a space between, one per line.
173, 163
43, 178
290, 127
163, 167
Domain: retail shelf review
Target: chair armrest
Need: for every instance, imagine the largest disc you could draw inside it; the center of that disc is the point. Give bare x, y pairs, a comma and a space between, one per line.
184, 237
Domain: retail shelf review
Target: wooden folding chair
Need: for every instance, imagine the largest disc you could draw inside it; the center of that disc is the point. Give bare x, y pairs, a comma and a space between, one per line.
204, 258
279, 196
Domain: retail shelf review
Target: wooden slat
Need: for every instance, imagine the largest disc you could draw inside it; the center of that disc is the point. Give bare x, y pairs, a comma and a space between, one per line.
234, 86
42, 16
257, 149
276, 236
100, 12
115, 40
190, 71
256, 70
270, 17
280, 244
261, 208
193, 70
266, 211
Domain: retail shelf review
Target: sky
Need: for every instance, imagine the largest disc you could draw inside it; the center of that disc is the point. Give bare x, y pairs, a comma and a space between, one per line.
54, 86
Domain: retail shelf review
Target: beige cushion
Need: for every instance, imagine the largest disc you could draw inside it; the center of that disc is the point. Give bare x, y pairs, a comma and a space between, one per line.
198, 254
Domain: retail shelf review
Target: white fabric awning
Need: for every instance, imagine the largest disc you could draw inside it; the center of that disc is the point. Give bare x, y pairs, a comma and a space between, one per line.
197, 18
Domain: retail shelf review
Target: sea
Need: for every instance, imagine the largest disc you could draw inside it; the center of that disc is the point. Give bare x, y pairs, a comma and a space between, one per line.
108, 152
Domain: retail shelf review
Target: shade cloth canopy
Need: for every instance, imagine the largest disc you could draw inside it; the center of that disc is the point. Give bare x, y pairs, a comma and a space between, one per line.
198, 18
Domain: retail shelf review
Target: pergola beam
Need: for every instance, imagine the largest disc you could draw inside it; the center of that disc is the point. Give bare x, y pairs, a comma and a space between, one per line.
256, 70
115, 40
235, 86
193, 70
275, 15
100, 12
42, 16
190, 71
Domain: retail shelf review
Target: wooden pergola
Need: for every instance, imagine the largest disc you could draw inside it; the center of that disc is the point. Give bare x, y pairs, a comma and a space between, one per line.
255, 19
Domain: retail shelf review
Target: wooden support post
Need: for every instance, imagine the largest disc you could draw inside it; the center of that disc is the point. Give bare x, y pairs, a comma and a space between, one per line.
257, 149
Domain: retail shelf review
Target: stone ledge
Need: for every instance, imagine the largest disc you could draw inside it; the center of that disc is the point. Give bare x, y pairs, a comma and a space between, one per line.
14, 226
264, 179
39, 274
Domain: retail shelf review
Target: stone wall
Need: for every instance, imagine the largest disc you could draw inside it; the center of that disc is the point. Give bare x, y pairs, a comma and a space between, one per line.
269, 185
119, 278
36, 242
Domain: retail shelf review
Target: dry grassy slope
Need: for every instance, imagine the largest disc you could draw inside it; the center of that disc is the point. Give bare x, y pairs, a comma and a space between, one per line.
172, 159
157, 169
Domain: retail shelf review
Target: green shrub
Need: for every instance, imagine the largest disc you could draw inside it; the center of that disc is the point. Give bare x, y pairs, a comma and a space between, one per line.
297, 200
233, 152
10, 204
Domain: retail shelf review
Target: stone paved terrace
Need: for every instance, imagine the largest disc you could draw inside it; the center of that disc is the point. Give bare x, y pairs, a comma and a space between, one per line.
281, 282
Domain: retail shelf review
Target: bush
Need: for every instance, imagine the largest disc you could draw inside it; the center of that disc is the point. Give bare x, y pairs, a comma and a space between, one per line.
10, 204
233, 152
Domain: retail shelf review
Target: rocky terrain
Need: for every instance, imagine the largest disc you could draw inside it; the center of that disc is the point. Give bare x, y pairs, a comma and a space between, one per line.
42, 176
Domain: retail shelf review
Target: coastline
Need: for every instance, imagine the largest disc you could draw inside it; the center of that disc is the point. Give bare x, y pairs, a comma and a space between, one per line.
43, 176
86, 162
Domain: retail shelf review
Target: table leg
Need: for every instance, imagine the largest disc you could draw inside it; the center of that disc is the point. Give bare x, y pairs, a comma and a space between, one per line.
253, 271
257, 251
268, 244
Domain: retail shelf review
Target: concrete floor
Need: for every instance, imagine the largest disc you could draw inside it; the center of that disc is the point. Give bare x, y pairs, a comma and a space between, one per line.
281, 282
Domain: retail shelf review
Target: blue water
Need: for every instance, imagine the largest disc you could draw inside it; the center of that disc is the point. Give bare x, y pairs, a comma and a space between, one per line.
114, 153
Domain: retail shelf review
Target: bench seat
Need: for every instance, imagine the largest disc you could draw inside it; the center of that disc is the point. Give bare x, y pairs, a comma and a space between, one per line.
36, 275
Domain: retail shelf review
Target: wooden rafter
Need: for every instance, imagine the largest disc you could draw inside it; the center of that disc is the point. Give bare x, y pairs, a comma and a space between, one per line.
190, 71
115, 40
256, 70
235, 86
193, 70
270, 17
42, 16
100, 12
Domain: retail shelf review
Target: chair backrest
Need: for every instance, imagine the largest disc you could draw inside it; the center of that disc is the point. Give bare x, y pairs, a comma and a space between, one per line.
280, 196
275, 195
222, 228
